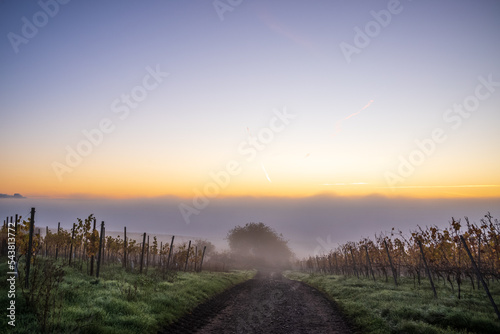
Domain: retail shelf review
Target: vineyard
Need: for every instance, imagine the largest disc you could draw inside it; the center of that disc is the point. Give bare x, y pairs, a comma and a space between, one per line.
66, 271
431, 252
462, 257
87, 247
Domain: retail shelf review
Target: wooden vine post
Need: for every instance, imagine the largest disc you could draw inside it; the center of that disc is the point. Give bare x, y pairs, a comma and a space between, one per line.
92, 257
170, 251
103, 251
160, 259
142, 254
427, 267
147, 256
202, 256
369, 263
101, 235
71, 244
354, 263
390, 262
46, 243
30, 247
478, 260
187, 256
346, 265
57, 243
125, 247
480, 277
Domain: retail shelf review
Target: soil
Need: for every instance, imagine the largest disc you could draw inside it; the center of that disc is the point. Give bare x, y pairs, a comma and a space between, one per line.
268, 303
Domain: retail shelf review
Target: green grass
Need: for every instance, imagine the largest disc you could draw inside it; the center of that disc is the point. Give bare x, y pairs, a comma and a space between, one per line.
120, 302
380, 307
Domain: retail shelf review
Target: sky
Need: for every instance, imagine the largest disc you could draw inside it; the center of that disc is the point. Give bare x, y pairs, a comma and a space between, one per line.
205, 102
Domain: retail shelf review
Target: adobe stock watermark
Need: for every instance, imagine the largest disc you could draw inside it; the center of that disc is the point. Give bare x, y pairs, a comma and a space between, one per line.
247, 149
454, 117
373, 28
223, 6
30, 27
122, 107
324, 246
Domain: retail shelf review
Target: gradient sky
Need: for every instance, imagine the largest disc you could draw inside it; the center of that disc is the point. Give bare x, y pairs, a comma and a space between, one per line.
226, 77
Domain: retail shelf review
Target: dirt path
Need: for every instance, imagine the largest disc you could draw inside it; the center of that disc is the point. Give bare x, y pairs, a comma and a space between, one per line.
268, 303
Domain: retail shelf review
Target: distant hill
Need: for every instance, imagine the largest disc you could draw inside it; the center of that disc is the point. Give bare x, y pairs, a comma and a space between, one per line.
16, 195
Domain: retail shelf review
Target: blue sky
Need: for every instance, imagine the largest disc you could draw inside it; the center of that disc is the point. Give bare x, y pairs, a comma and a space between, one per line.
226, 78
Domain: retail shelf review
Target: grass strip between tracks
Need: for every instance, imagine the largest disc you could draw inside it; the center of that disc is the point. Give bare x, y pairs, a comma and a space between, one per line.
380, 307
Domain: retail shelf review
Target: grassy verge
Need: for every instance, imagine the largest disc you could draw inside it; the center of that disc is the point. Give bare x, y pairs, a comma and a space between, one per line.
119, 302
380, 307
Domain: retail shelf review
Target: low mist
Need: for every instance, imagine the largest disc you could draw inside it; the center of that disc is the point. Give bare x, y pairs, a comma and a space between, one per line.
310, 225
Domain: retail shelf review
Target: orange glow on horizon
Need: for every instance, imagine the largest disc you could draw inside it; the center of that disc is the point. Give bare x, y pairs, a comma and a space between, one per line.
267, 179
267, 189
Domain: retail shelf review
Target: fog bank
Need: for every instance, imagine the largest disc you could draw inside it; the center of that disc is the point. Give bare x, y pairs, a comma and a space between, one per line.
311, 225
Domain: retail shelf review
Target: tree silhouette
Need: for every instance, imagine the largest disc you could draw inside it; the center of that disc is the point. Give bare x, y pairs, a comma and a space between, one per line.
257, 244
